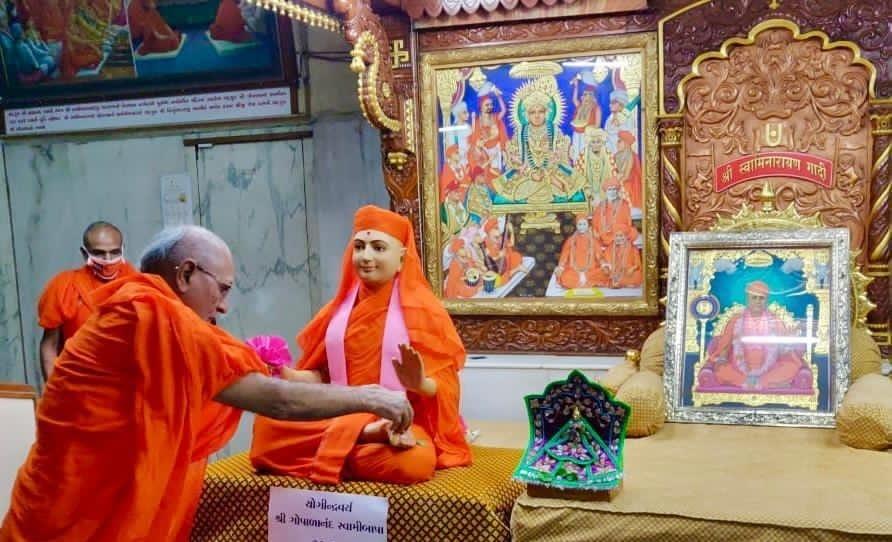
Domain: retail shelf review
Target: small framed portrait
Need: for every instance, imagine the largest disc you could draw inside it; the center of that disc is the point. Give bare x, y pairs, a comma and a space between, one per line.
757, 326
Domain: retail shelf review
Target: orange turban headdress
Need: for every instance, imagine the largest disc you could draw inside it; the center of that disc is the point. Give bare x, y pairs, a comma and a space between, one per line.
757, 287
426, 320
626, 136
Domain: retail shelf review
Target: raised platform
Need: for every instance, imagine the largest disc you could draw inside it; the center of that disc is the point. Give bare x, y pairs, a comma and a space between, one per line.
714, 482
460, 504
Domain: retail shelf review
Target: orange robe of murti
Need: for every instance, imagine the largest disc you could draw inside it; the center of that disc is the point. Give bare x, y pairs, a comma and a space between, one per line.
580, 256
67, 299
148, 25
327, 451
127, 422
774, 365
229, 25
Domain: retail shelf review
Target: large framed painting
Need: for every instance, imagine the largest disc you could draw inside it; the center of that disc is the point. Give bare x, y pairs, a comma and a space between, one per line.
757, 327
55, 51
539, 178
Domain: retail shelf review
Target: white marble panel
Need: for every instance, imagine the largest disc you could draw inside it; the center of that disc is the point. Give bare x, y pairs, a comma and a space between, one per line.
57, 188
346, 175
252, 195
12, 361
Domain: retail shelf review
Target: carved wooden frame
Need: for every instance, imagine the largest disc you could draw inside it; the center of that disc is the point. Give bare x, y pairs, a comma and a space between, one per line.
682, 244
431, 62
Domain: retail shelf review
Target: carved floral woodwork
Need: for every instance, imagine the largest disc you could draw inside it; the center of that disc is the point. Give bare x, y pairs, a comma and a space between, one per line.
864, 23
450, 38
779, 91
566, 335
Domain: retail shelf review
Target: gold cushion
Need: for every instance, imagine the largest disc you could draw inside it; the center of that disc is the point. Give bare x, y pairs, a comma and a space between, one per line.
617, 375
652, 351
865, 418
643, 392
866, 358
461, 503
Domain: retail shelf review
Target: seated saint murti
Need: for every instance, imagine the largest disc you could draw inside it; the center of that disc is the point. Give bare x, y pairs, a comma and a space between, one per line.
580, 264
743, 356
384, 327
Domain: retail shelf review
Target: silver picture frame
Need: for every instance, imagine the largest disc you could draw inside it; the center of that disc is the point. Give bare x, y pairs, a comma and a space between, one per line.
702, 375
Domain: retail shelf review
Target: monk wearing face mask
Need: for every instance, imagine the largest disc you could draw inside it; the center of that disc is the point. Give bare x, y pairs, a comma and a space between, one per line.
385, 326
66, 301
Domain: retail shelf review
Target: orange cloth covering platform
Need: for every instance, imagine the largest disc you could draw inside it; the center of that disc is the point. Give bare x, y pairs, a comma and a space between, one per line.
714, 482
460, 504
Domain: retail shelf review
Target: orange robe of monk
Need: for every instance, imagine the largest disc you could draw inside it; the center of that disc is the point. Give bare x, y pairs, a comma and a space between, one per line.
625, 264
127, 422
581, 262
147, 25
327, 451
772, 365
229, 24
67, 300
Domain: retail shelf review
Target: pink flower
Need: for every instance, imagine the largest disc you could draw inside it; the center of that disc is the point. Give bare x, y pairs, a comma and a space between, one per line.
273, 350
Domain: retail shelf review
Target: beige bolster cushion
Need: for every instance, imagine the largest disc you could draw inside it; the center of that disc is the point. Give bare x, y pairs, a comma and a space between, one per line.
652, 351
643, 392
865, 418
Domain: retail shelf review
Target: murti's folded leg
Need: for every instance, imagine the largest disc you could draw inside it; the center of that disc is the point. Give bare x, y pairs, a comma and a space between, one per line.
728, 374
782, 373
384, 463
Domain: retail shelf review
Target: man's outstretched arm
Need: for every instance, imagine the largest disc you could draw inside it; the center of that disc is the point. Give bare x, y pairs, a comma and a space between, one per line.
295, 401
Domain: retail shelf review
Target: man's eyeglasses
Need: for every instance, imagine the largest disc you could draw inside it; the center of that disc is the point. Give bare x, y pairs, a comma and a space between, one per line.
223, 286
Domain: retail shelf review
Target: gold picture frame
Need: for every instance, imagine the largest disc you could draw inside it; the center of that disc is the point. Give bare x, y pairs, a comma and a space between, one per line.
523, 143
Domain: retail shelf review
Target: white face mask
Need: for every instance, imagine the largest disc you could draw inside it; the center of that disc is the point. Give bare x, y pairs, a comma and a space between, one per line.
102, 268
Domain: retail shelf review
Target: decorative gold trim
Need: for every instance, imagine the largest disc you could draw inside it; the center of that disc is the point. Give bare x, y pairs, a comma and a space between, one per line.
826, 44
300, 13
881, 124
409, 116
367, 82
433, 62
862, 305
671, 136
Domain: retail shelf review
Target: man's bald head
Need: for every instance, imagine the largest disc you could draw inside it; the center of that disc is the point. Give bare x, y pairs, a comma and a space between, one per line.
173, 245
98, 229
196, 263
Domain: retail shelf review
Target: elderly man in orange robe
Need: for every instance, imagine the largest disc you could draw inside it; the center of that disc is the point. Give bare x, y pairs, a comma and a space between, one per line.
66, 302
144, 393
580, 262
743, 355
229, 25
384, 326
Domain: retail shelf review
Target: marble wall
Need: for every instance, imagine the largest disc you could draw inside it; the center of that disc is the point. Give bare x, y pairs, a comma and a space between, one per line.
12, 361
57, 188
342, 180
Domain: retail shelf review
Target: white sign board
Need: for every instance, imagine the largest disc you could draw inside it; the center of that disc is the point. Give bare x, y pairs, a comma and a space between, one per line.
176, 199
298, 515
183, 109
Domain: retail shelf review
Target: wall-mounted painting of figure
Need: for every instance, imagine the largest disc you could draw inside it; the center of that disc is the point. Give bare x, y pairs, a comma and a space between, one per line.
58, 50
540, 176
